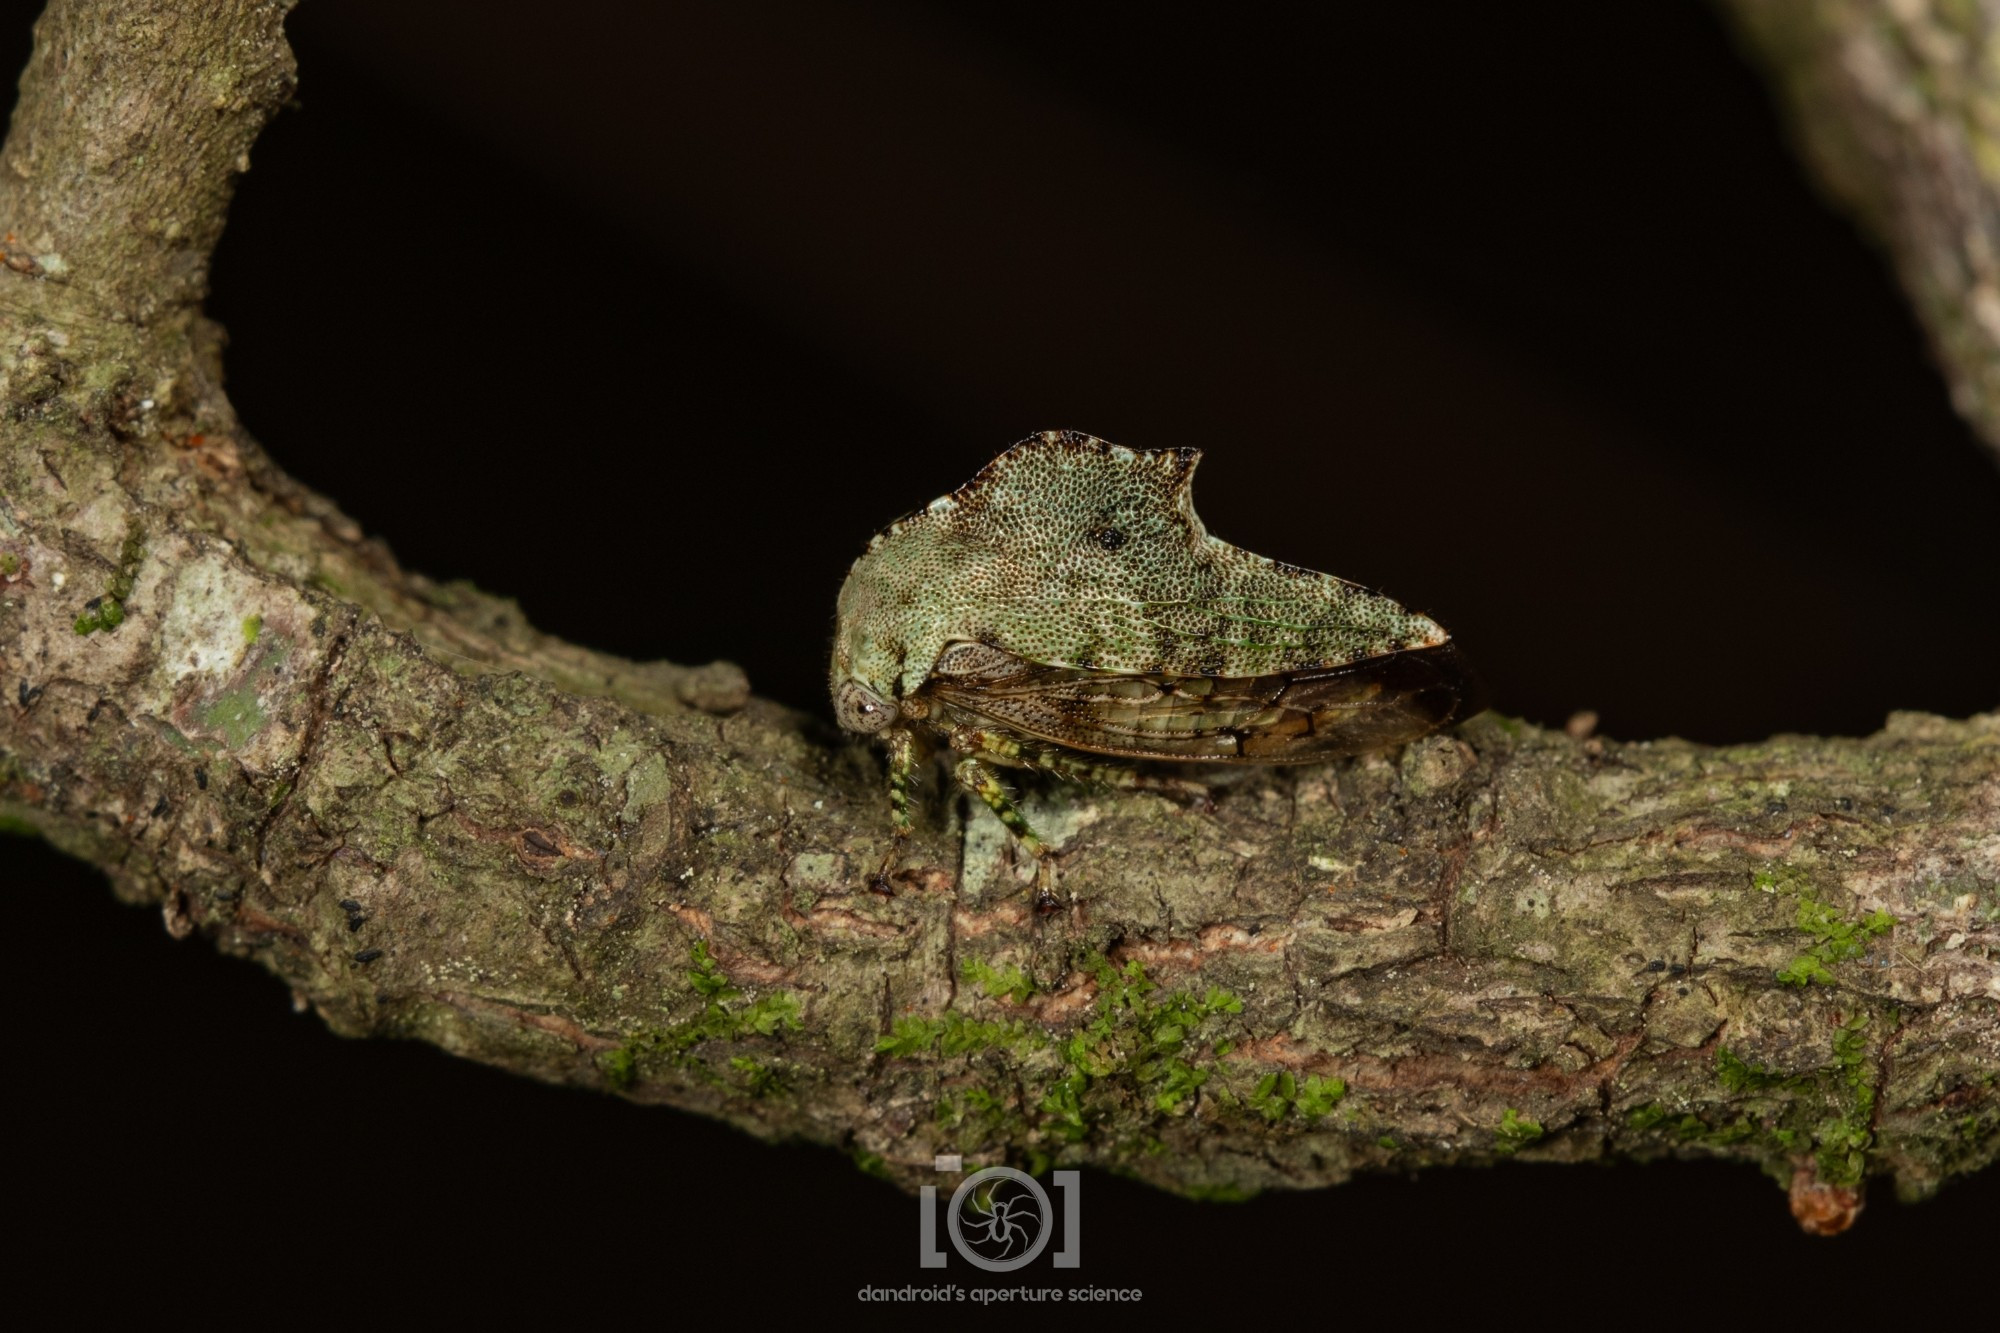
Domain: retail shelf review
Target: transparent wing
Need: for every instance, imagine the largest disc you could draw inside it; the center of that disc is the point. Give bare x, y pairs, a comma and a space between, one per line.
1287, 718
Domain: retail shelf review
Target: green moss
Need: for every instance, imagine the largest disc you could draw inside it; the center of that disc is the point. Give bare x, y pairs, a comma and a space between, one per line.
973, 1117
1782, 879
953, 1034
707, 976
759, 1079
871, 1164
1645, 1117
1844, 1140
1131, 1035
1515, 1132
1739, 1076
1830, 1110
997, 982
1135, 1037
100, 613
10, 564
1318, 1096
108, 611
620, 1067
1279, 1094
719, 1020
1835, 939
252, 627
18, 826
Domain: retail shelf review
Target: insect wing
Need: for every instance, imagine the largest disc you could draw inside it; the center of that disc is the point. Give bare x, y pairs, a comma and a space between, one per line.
1285, 718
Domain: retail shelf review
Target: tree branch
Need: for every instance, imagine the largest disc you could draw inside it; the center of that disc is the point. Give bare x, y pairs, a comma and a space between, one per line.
434, 822
1897, 110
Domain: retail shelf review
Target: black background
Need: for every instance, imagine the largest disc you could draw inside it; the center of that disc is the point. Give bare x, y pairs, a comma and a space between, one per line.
649, 315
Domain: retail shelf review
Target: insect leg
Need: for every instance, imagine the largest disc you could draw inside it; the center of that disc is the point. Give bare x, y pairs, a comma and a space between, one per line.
902, 776
1123, 777
902, 747
978, 777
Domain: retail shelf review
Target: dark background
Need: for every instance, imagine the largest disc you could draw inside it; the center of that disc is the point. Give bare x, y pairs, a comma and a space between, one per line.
650, 314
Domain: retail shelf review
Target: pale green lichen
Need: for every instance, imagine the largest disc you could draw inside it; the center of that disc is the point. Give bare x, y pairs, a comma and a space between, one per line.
238, 714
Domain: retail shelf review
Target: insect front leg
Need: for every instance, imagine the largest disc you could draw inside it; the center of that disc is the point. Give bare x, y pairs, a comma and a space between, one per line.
902, 748
902, 776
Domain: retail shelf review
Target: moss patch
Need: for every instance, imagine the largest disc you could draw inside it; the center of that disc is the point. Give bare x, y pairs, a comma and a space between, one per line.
1131, 1035
1515, 1132
719, 1020
953, 1034
1835, 939
1278, 1095
1829, 1111
108, 611
997, 982
1137, 1040
1843, 1140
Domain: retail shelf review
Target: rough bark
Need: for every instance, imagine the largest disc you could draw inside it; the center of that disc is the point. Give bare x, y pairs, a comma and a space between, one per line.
1895, 104
434, 822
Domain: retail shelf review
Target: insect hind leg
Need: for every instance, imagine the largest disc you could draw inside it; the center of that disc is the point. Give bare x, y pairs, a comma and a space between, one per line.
1124, 777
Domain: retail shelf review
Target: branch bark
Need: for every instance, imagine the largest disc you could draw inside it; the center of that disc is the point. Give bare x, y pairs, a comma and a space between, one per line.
1896, 107
435, 822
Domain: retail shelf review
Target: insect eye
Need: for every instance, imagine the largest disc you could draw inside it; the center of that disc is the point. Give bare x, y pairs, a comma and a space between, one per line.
861, 709
1109, 538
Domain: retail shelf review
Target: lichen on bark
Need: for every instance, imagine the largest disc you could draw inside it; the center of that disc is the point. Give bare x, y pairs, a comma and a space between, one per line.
436, 823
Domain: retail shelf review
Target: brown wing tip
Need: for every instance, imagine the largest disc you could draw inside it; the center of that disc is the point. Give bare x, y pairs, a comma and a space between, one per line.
1454, 692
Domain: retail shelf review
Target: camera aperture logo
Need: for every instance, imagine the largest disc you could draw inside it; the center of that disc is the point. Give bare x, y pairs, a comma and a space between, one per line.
1000, 1220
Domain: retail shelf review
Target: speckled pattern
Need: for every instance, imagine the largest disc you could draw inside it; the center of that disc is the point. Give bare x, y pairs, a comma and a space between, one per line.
1069, 551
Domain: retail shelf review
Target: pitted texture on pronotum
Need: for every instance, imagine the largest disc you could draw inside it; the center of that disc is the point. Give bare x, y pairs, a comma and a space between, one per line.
1066, 603
1068, 551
